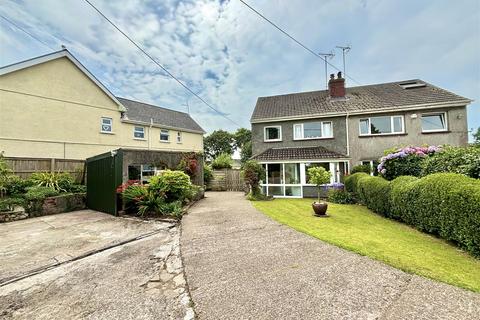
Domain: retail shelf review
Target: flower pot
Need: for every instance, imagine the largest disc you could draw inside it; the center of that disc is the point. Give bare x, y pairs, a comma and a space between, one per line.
320, 208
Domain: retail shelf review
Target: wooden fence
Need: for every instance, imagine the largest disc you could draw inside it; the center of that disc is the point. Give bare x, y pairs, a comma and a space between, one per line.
24, 167
227, 180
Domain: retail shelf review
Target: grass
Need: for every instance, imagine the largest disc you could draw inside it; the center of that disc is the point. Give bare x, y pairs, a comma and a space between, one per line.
358, 229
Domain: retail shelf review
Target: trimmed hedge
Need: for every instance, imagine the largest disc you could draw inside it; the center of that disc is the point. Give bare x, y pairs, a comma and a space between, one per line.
352, 180
445, 204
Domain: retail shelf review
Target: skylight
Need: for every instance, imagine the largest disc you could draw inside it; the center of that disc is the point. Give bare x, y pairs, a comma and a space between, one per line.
412, 84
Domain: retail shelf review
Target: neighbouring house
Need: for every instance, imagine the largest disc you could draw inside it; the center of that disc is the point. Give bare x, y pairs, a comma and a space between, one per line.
342, 127
51, 106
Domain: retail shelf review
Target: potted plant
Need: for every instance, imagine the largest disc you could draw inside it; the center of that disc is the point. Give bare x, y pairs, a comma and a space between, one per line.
319, 176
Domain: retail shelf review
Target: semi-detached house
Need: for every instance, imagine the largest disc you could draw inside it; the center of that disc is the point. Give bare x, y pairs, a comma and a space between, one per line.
342, 127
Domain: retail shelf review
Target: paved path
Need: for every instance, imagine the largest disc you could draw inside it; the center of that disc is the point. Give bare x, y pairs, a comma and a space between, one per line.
242, 265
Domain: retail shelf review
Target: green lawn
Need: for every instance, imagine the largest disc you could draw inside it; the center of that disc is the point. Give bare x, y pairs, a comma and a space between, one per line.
358, 229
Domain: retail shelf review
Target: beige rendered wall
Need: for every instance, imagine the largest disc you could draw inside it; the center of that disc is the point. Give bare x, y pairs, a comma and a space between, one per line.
53, 110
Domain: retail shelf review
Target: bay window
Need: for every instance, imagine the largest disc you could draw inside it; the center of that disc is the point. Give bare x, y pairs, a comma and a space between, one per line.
312, 130
382, 125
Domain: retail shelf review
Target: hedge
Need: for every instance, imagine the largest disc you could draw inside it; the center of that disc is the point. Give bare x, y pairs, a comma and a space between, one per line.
444, 204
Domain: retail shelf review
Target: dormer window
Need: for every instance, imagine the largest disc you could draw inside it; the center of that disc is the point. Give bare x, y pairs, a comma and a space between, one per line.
273, 133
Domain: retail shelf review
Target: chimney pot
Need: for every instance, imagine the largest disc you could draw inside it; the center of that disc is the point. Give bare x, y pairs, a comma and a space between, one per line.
339, 75
332, 76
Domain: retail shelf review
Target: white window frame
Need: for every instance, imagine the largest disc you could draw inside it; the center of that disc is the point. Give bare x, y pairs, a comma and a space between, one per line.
381, 134
167, 133
138, 131
104, 124
445, 120
272, 140
179, 137
312, 138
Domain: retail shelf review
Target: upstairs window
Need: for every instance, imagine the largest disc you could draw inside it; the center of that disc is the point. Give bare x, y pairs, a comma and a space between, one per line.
312, 130
106, 125
179, 137
433, 122
164, 135
273, 133
139, 132
381, 125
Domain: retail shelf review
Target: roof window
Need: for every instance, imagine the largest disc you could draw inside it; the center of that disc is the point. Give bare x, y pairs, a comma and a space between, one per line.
412, 84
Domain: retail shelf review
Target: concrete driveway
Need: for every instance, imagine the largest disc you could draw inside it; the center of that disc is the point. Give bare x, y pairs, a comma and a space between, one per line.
242, 265
90, 265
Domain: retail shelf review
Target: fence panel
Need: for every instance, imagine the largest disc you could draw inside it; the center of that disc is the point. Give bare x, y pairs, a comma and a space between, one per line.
24, 167
227, 180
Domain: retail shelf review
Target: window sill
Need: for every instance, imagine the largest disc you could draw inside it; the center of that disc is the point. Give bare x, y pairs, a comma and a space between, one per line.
272, 140
321, 138
140, 139
162, 141
107, 132
438, 131
382, 135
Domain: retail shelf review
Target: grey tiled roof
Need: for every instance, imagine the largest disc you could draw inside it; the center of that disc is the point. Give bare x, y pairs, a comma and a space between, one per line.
362, 98
143, 112
301, 153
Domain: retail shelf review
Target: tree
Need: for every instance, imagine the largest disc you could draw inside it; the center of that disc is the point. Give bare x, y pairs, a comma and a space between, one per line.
253, 173
243, 141
476, 137
218, 142
319, 176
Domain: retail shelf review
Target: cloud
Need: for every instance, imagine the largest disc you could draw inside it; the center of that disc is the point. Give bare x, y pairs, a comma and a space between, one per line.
229, 56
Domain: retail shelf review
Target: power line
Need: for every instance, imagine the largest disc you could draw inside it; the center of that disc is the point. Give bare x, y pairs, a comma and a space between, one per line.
160, 65
295, 40
25, 31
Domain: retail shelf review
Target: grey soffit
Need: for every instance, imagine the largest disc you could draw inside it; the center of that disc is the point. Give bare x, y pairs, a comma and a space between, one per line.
363, 98
143, 112
303, 153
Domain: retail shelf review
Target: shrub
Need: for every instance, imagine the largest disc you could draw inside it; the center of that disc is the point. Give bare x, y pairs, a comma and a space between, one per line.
340, 196
361, 168
207, 174
77, 188
194, 193
463, 160
351, 181
173, 209
319, 176
9, 204
446, 204
405, 162
223, 161
374, 192
399, 205
189, 164
131, 194
40, 193
253, 173
172, 185
16, 186
60, 181
150, 203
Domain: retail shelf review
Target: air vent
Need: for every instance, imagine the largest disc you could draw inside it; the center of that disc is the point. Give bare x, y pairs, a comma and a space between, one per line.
412, 84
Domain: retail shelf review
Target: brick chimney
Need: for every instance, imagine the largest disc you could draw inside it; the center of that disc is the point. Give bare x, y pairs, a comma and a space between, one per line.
336, 87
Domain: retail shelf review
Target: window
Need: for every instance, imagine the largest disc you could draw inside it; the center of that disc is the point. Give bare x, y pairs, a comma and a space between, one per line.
381, 125
139, 132
273, 133
312, 130
179, 137
434, 122
106, 125
164, 135
373, 164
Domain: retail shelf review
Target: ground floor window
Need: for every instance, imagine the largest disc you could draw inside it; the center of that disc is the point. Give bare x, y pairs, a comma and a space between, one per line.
144, 172
288, 179
373, 166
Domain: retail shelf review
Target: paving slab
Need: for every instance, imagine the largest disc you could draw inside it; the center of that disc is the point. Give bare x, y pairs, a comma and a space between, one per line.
240, 264
31, 244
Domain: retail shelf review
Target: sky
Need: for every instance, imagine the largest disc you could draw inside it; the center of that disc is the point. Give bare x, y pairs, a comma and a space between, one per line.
229, 56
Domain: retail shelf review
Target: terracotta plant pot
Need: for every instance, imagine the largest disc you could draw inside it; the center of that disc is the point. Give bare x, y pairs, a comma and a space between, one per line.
320, 208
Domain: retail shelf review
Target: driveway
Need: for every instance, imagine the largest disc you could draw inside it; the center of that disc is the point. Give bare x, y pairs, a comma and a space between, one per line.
240, 264
90, 265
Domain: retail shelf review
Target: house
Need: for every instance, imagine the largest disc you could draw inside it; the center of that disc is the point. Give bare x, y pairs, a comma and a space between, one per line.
342, 127
51, 106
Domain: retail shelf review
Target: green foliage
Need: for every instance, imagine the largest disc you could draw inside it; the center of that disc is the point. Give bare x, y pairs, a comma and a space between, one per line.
9, 204
340, 196
60, 181
318, 176
253, 173
476, 137
246, 152
5, 174
194, 193
243, 141
150, 203
218, 142
361, 168
399, 205
172, 185
463, 160
374, 192
132, 194
189, 164
77, 188
173, 209
411, 165
223, 161
16, 186
40, 193
207, 174
352, 180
